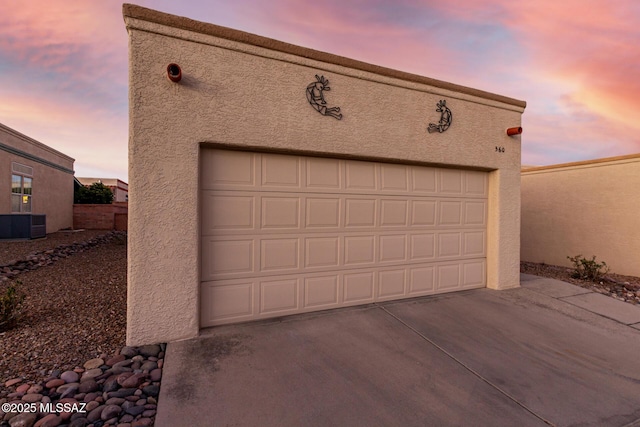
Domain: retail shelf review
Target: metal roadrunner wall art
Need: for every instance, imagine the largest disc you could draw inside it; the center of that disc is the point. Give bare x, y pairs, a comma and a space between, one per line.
316, 98
445, 118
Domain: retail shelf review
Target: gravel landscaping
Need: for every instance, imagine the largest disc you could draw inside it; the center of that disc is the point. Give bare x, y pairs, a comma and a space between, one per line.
623, 288
20, 249
75, 308
69, 345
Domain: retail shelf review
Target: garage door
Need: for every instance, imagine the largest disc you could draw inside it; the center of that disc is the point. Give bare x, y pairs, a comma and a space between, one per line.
285, 234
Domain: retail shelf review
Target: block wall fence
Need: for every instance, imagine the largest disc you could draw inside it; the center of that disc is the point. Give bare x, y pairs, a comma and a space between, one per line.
587, 208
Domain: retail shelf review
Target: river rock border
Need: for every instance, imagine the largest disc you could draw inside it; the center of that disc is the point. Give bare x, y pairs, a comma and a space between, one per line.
43, 258
119, 390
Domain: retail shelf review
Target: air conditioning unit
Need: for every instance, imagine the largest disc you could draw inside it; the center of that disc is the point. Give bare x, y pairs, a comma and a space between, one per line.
23, 226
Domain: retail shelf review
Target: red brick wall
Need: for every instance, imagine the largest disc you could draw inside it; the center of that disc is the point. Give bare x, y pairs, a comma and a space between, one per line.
100, 217
121, 221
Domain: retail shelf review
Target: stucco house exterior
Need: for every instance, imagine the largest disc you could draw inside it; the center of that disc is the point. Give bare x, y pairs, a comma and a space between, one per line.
35, 180
257, 193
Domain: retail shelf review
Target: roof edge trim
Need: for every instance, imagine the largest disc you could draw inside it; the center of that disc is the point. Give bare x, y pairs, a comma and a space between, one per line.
36, 143
154, 16
629, 157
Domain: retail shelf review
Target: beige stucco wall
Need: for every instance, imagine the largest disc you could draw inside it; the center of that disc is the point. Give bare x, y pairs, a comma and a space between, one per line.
588, 208
243, 91
52, 177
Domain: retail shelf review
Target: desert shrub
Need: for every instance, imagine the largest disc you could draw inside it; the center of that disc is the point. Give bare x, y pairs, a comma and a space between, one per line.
588, 269
10, 306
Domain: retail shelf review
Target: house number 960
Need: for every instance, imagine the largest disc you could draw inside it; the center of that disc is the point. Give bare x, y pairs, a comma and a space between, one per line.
499, 149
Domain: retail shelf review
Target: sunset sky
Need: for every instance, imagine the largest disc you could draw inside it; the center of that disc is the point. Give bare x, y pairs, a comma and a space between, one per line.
575, 62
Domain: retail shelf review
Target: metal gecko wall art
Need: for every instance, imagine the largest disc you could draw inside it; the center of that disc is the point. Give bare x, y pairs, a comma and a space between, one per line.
315, 97
445, 118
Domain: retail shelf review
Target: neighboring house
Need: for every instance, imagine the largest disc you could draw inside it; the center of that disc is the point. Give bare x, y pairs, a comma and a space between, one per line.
119, 188
583, 208
35, 180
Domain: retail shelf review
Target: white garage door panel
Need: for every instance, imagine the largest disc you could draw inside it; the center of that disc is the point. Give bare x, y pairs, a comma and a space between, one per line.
288, 234
245, 256
228, 301
232, 212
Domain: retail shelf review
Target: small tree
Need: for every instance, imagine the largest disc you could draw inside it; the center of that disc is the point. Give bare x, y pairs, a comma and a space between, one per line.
97, 193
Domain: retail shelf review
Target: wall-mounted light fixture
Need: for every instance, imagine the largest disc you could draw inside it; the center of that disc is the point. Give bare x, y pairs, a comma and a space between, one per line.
514, 131
174, 72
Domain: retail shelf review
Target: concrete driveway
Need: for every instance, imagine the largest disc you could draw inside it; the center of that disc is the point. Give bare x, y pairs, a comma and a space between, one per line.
548, 353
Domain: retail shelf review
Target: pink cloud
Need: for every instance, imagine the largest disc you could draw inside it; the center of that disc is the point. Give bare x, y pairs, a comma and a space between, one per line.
575, 64
580, 73
60, 59
68, 37
576, 134
590, 49
360, 30
97, 140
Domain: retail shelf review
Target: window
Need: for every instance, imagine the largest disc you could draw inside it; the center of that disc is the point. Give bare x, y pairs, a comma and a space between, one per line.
21, 188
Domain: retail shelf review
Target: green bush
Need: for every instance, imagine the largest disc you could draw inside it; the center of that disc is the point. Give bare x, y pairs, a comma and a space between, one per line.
10, 306
588, 269
96, 193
